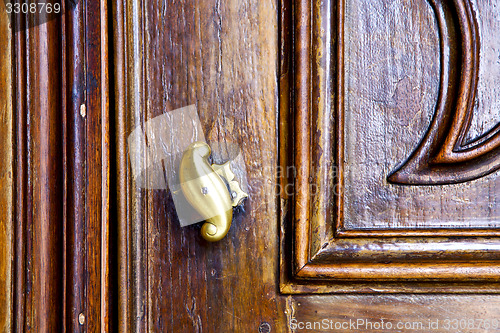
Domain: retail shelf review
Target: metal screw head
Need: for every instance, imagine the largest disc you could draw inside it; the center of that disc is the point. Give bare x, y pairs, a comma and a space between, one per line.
204, 190
264, 327
81, 318
83, 110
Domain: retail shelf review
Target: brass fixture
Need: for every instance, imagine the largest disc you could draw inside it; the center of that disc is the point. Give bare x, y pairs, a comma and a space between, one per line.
210, 189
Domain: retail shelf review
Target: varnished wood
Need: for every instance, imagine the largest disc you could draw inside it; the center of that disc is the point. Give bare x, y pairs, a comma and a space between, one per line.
60, 264
328, 249
417, 311
23, 216
98, 294
75, 184
189, 52
48, 176
120, 166
444, 156
258, 72
381, 72
7, 180
171, 281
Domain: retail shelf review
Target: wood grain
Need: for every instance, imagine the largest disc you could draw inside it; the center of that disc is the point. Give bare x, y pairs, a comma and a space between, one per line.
223, 57
48, 176
76, 168
7, 179
346, 224
399, 98
168, 55
444, 156
415, 311
23, 200
61, 171
232, 59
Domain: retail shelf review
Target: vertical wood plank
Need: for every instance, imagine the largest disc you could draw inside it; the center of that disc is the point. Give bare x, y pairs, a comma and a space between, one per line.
48, 173
107, 251
96, 165
23, 200
7, 173
223, 57
120, 164
76, 146
61, 263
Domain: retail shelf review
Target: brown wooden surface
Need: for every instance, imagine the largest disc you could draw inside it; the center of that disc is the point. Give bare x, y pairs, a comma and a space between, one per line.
54, 249
166, 58
7, 180
223, 57
169, 278
399, 105
72, 205
416, 311
353, 116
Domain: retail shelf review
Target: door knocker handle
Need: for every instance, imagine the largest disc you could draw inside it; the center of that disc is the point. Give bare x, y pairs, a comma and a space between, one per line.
210, 189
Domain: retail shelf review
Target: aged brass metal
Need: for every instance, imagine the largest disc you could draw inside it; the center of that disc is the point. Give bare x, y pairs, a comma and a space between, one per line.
204, 187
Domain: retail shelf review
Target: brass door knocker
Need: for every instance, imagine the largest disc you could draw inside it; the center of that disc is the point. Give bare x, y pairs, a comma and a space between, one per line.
210, 189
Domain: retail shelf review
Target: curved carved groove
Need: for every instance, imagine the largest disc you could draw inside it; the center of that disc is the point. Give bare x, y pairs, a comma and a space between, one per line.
444, 156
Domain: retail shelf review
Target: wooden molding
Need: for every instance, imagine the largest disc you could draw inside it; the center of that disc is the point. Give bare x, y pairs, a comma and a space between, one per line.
61, 139
8, 181
318, 254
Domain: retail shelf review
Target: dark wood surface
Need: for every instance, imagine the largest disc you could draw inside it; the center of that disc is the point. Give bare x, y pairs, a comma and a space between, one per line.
55, 172
396, 89
7, 180
80, 237
170, 278
415, 311
356, 225
223, 57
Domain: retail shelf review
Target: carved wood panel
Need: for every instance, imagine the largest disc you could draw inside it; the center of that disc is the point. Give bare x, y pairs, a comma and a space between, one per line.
346, 228
445, 156
82, 248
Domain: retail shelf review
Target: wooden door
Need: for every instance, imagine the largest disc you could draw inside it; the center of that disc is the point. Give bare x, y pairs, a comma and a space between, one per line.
55, 155
369, 131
